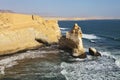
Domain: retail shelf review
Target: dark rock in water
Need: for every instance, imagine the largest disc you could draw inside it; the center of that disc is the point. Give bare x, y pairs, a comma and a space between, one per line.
94, 52
73, 42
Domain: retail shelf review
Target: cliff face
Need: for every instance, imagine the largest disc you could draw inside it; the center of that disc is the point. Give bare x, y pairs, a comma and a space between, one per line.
19, 32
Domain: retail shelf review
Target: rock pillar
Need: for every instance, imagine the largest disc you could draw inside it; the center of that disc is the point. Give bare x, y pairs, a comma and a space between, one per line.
73, 41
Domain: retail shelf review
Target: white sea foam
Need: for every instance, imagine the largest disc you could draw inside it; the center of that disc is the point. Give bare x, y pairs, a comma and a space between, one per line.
103, 68
2, 68
63, 28
12, 60
117, 62
86, 36
63, 32
77, 59
90, 36
109, 55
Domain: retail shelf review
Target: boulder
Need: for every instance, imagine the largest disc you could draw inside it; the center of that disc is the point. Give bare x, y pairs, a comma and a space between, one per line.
73, 42
94, 52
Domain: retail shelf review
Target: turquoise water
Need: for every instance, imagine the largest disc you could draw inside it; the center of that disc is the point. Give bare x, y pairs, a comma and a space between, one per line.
50, 63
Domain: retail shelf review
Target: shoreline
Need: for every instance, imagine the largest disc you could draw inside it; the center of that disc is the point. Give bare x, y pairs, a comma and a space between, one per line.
51, 53
77, 19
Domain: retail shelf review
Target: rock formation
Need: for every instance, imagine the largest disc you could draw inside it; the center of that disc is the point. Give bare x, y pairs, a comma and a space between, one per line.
73, 41
94, 52
20, 32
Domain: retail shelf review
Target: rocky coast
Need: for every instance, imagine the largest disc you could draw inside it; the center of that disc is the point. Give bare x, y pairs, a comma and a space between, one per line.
20, 32
71, 56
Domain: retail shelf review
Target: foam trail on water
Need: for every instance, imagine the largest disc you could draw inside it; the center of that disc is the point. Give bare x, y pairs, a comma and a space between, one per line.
86, 36
101, 69
2, 70
90, 36
108, 54
63, 32
117, 62
12, 60
63, 28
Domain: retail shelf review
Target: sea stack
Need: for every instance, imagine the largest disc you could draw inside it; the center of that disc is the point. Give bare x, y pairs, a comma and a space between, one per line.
73, 42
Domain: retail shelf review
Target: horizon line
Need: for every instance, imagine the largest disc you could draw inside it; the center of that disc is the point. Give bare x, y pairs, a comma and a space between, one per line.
64, 17
79, 18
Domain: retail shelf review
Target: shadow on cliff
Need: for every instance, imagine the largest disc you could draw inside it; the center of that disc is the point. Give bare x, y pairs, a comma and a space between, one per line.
45, 43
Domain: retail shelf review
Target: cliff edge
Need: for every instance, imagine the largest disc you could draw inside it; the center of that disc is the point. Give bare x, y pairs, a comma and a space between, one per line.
20, 32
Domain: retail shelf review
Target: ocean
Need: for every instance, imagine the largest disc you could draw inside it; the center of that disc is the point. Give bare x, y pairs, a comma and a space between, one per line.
51, 63
101, 34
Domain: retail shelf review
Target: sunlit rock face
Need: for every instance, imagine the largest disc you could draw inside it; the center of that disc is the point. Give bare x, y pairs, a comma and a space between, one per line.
73, 42
22, 31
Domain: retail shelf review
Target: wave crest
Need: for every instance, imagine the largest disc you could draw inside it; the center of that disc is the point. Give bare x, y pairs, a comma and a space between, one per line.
63, 28
91, 69
90, 36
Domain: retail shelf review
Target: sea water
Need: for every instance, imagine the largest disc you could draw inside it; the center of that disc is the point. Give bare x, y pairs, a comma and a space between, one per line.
50, 63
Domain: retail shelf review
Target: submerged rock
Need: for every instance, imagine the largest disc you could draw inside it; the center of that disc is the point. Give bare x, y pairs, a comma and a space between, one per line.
94, 52
73, 42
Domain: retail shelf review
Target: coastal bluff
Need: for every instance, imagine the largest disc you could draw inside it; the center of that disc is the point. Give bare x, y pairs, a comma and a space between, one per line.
21, 31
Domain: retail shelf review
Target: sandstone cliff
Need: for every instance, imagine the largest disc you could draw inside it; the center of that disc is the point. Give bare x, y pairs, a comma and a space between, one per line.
73, 42
20, 31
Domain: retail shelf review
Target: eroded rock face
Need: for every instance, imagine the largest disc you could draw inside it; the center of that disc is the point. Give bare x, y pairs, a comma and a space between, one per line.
73, 42
20, 31
94, 52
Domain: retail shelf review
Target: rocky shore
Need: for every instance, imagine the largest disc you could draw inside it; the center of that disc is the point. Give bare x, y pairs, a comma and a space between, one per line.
21, 32
72, 42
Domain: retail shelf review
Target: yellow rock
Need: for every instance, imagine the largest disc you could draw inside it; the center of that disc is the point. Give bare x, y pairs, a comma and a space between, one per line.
20, 31
73, 42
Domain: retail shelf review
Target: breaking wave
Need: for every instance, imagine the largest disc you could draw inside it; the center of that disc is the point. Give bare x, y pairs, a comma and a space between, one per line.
63, 32
116, 38
85, 36
64, 28
10, 61
90, 36
101, 68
